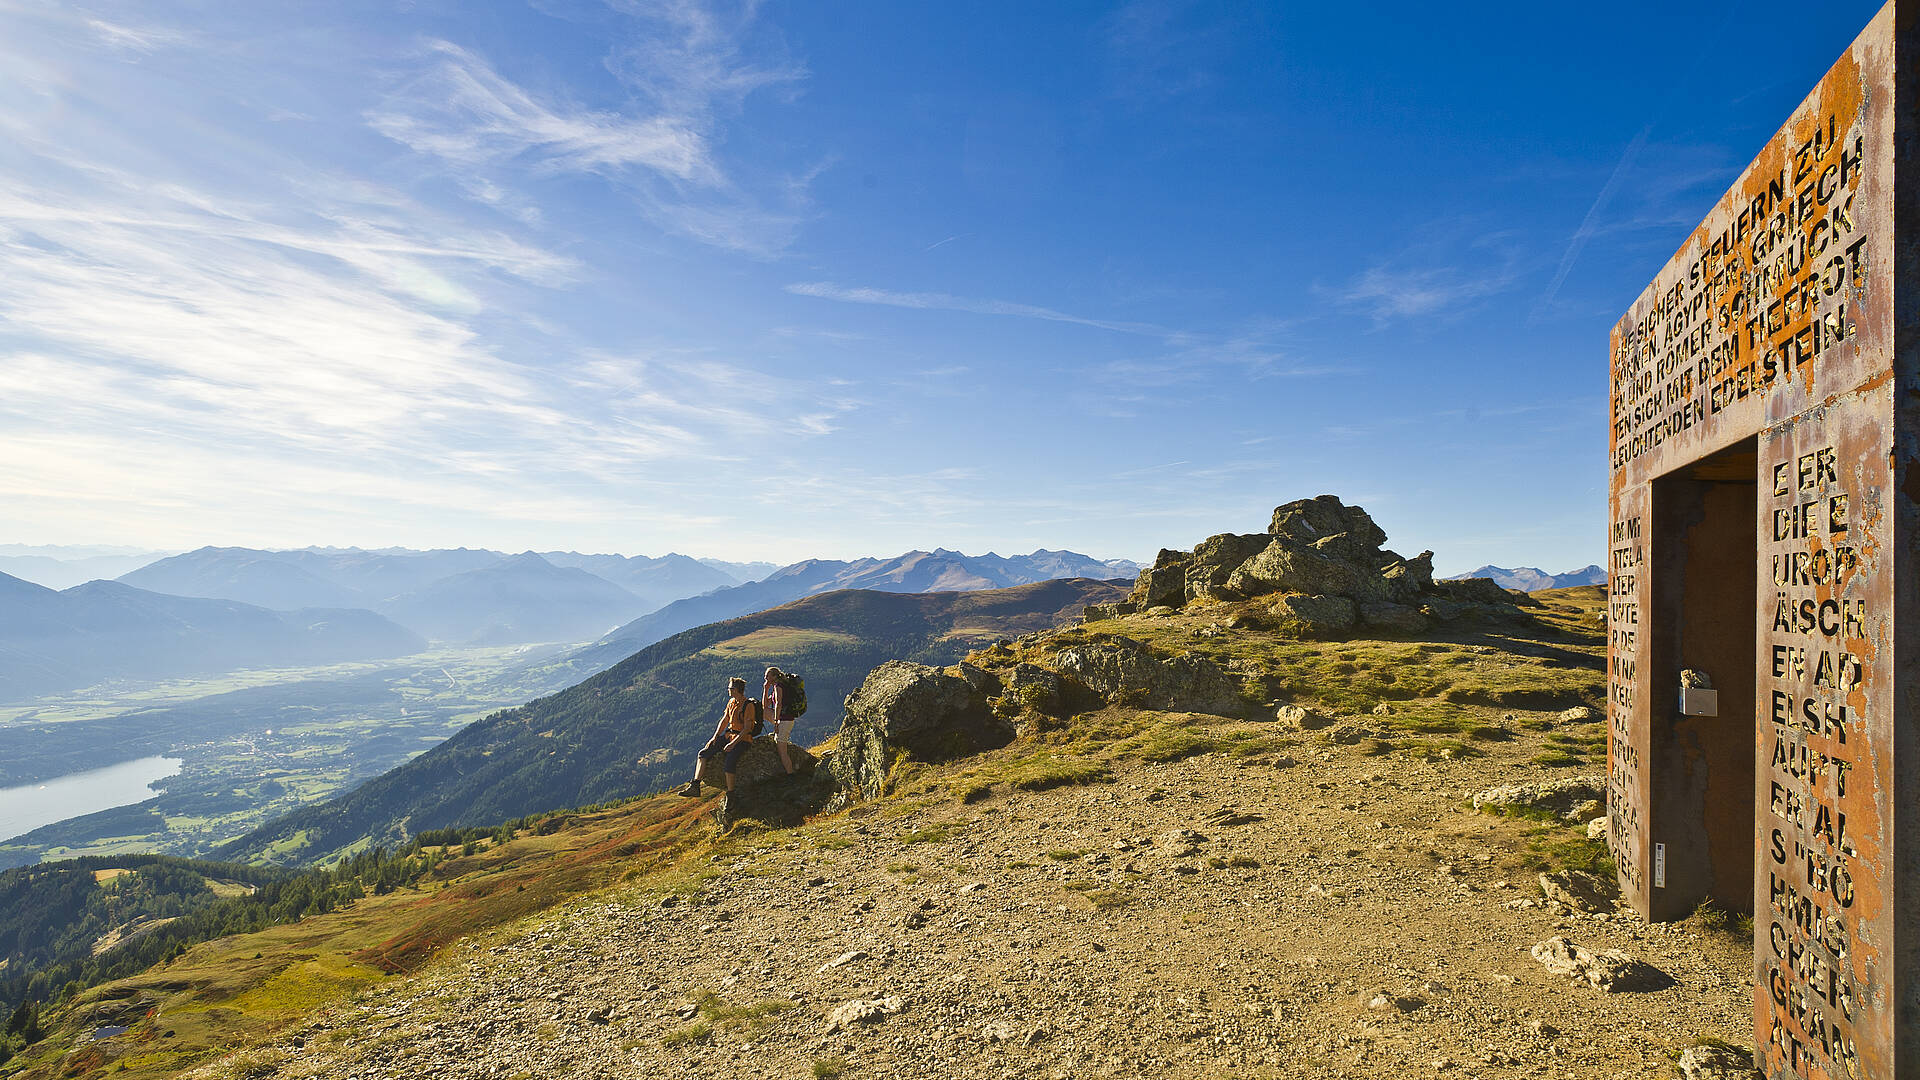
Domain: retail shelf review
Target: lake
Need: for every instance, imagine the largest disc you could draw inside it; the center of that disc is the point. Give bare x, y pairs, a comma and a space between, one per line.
29, 806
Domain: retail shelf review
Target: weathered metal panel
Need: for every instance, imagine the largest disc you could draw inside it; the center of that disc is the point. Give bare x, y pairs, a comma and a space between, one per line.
1776, 320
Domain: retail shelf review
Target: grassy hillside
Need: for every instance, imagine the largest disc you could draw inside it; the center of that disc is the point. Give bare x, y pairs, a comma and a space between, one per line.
634, 728
206, 998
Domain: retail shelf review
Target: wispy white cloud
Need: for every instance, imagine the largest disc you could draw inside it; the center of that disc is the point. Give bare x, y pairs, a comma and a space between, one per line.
933, 301
228, 353
686, 71
137, 39
1394, 293
460, 109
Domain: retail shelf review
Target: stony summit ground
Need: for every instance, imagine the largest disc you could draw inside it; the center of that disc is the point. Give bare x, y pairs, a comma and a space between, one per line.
1123, 894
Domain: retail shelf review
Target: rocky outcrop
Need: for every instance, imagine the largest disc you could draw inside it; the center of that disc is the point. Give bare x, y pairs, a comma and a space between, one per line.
1322, 563
763, 791
911, 710
1164, 584
1129, 672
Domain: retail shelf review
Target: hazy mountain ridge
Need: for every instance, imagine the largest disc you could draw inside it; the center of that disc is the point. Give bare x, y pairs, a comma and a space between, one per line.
51, 641
657, 582
521, 598
1533, 579
462, 595
632, 728
57, 569
915, 571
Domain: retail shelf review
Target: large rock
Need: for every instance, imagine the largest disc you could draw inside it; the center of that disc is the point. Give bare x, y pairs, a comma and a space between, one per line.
1286, 566
910, 710
1043, 691
1164, 584
1215, 560
1610, 971
1308, 520
1393, 618
1474, 590
1130, 672
1316, 616
1579, 890
762, 790
1708, 1062
1407, 580
1557, 797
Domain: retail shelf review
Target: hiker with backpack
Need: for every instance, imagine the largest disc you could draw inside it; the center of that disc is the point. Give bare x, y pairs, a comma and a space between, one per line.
785, 697
739, 723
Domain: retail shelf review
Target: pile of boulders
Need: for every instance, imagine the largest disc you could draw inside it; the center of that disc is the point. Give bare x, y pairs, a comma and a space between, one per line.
1322, 564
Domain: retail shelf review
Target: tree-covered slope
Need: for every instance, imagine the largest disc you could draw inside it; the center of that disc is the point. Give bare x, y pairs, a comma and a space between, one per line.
634, 727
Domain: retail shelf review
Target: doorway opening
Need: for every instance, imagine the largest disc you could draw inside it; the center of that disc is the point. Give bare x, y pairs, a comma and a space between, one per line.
1705, 569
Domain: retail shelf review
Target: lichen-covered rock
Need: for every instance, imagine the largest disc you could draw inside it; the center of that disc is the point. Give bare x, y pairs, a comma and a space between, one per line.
1313, 519
1405, 581
1475, 590
1388, 618
1164, 584
907, 709
1319, 547
1316, 616
1101, 612
1041, 690
1215, 560
1124, 670
1554, 796
1283, 566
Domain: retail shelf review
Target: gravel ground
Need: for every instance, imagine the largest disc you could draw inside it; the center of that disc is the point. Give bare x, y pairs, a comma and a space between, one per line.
1212, 917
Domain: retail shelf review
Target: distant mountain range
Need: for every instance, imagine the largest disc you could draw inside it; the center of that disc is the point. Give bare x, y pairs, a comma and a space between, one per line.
62, 567
1530, 579
52, 641
632, 729
392, 601
520, 598
468, 596
914, 572
742, 572
456, 595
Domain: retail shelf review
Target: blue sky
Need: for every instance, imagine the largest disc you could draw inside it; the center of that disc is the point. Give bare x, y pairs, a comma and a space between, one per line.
788, 280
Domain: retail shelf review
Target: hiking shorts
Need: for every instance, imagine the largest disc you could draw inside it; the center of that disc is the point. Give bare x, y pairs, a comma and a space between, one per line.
729, 759
783, 731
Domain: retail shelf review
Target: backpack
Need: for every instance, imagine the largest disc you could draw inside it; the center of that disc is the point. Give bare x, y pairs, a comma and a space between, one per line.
793, 694
757, 715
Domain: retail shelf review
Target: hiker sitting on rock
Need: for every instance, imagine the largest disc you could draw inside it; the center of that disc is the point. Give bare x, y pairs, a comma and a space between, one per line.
731, 739
773, 698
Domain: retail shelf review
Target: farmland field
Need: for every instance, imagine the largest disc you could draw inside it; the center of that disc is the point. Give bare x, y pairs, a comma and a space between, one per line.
255, 744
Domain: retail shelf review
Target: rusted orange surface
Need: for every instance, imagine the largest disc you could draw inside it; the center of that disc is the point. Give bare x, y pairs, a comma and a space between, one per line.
1774, 327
